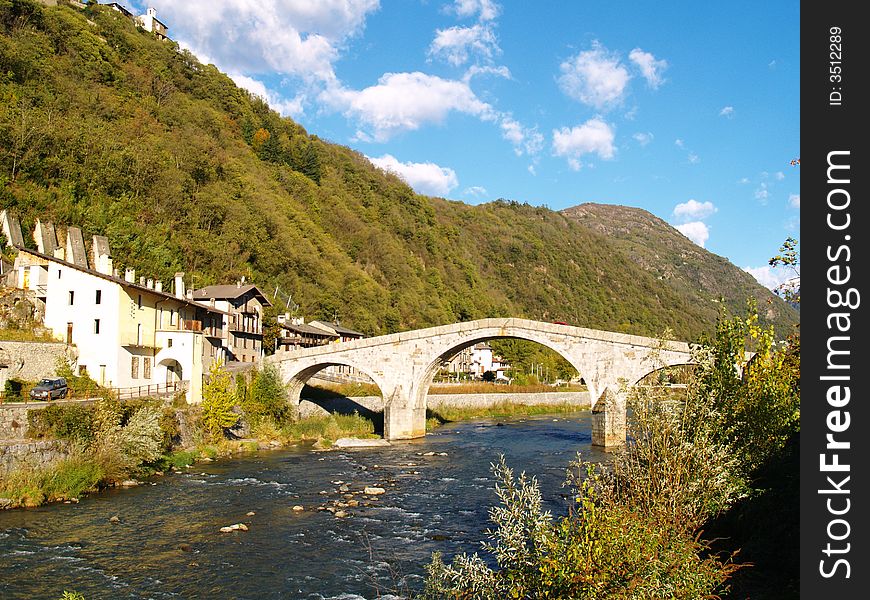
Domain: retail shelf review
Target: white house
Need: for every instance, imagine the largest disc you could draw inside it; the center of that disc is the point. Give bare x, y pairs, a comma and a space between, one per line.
126, 334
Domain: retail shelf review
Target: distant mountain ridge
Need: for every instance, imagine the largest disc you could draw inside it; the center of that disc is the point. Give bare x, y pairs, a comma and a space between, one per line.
681, 264
107, 128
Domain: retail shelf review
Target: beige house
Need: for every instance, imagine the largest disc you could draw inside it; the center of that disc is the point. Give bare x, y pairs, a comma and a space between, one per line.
242, 328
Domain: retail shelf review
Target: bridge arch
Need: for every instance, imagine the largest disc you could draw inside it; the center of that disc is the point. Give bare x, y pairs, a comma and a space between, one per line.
443, 356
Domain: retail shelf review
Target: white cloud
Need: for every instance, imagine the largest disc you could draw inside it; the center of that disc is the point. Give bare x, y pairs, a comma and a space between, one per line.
727, 111
695, 231
794, 200
650, 68
768, 276
643, 138
486, 10
475, 70
405, 102
476, 190
693, 209
457, 44
524, 139
679, 143
743, 180
771, 64
592, 137
694, 158
425, 178
292, 37
287, 108
762, 193
531, 169
595, 77
779, 175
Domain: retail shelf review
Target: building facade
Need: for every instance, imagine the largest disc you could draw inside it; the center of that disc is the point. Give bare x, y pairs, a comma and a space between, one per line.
242, 327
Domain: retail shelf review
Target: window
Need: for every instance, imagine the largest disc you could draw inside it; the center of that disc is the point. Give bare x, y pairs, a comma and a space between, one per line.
172, 317
169, 343
72, 297
140, 300
58, 273
146, 367
99, 297
96, 326
134, 368
139, 334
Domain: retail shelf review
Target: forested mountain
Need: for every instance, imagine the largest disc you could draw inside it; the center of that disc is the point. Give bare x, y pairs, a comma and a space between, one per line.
105, 127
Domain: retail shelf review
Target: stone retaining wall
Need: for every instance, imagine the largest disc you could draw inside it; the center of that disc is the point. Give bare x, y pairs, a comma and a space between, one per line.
13, 421
375, 403
31, 361
35, 453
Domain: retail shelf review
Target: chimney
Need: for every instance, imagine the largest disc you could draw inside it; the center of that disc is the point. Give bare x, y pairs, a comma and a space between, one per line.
142, 280
149, 284
130, 275
188, 294
101, 260
115, 273
211, 302
179, 284
158, 286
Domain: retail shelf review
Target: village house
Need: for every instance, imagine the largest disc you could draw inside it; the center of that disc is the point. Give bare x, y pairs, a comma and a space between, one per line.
149, 21
126, 333
295, 334
476, 360
242, 327
341, 333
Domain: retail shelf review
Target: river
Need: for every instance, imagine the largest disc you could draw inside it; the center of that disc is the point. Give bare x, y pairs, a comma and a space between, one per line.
166, 542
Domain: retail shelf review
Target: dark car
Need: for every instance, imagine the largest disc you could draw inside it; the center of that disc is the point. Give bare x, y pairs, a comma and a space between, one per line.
49, 389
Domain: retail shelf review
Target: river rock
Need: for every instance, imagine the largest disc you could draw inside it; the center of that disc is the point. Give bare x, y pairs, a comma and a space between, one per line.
360, 443
5, 503
353, 502
235, 527
114, 519
250, 514
428, 454
340, 514
298, 508
129, 483
374, 491
344, 488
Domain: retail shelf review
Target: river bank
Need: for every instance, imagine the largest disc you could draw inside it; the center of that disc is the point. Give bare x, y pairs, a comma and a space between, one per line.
35, 472
166, 539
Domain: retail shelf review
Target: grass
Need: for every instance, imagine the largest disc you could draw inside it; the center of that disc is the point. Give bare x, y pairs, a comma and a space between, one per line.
24, 335
63, 480
328, 428
447, 413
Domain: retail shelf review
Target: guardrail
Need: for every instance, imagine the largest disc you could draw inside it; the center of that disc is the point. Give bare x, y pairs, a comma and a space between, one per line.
128, 393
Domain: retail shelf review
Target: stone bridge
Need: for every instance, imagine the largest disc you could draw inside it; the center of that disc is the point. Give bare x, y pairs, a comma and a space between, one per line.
403, 365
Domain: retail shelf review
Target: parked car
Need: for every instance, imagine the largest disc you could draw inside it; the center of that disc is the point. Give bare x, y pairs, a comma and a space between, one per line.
49, 389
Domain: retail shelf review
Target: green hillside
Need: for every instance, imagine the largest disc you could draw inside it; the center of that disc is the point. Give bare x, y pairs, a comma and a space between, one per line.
105, 127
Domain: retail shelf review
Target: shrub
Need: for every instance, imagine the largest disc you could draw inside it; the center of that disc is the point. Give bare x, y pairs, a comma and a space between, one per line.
266, 398
70, 422
218, 402
605, 550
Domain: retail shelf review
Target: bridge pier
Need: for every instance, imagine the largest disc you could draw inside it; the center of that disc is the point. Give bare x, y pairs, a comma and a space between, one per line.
402, 419
609, 418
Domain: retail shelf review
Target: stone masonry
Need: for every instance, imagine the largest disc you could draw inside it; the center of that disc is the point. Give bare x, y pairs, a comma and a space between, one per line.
403, 365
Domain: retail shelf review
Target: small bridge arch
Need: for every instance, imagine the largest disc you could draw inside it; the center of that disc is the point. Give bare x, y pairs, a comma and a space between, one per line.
403, 364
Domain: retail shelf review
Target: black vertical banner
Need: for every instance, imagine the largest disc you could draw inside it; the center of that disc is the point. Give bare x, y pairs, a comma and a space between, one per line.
835, 226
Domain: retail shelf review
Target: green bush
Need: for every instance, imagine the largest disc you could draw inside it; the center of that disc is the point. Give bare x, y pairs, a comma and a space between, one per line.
68, 421
266, 398
14, 390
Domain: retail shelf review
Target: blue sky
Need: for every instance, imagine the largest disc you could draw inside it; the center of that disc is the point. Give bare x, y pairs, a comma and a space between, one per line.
689, 110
